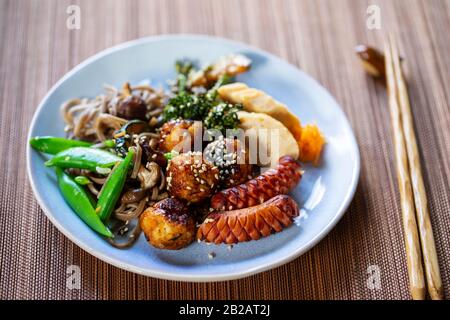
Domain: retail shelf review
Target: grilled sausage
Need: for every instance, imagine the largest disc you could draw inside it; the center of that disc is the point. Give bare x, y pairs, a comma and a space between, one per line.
279, 180
250, 223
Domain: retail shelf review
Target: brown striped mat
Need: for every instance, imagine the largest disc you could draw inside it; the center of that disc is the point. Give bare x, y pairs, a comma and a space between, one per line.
317, 36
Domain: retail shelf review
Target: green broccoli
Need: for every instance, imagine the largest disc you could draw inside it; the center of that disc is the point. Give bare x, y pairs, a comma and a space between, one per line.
204, 107
187, 106
223, 116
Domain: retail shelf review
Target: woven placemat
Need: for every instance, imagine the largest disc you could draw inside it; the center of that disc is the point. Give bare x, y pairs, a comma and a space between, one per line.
317, 36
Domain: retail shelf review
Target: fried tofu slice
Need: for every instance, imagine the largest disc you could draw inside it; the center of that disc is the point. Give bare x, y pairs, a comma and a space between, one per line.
254, 100
309, 138
268, 138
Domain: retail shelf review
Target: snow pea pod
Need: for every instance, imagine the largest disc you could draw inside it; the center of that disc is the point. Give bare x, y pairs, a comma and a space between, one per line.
84, 158
82, 180
113, 187
79, 201
53, 145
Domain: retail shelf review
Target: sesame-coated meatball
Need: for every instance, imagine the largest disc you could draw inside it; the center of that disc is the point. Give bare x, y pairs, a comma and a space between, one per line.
179, 135
168, 224
232, 160
190, 177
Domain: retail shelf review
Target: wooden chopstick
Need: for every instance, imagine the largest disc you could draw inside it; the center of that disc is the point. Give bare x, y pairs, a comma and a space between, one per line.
412, 243
429, 253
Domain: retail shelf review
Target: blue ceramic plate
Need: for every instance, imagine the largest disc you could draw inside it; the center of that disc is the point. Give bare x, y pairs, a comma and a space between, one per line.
324, 192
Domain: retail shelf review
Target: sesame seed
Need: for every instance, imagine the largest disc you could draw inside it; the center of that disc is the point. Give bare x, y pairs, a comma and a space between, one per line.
230, 208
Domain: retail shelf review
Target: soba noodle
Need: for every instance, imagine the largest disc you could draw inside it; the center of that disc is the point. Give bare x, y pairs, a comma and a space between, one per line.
96, 120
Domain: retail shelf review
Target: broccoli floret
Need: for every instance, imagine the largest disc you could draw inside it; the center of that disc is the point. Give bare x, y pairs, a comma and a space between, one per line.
212, 93
204, 107
184, 66
188, 106
223, 116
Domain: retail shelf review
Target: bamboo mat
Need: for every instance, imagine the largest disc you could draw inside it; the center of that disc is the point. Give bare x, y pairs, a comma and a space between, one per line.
317, 36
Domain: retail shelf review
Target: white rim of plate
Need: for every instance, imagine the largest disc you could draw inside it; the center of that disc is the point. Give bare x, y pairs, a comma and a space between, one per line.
177, 276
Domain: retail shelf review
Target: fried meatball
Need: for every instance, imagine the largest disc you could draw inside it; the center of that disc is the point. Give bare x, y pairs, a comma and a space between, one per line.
191, 177
168, 224
179, 135
231, 159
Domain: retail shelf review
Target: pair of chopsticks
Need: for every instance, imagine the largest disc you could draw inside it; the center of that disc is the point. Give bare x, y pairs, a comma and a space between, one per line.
418, 233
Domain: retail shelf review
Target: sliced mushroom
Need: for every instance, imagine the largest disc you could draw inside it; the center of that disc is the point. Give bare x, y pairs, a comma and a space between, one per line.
133, 195
132, 107
149, 176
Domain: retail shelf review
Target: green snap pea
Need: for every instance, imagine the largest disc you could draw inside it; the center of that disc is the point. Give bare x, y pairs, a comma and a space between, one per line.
79, 201
53, 145
82, 180
113, 187
84, 158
